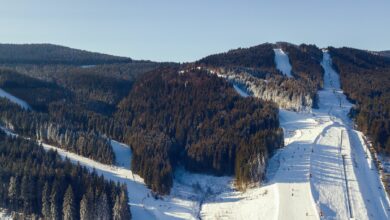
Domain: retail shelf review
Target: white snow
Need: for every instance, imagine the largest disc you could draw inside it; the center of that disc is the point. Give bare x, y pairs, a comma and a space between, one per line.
282, 62
122, 154
305, 180
14, 99
143, 205
4, 215
240, 91
87, 66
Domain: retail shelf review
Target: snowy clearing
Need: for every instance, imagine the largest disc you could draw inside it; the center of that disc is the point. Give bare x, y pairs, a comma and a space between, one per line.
14, 99
282, 62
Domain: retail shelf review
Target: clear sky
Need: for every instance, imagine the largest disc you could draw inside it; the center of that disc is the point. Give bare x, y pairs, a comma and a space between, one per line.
184, 30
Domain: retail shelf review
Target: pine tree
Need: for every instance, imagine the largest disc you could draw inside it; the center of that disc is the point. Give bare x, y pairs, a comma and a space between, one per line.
86, 207
103, 210
68, 209
46, 201
12, 192
116, 211
121, 208
26, 193
54, 203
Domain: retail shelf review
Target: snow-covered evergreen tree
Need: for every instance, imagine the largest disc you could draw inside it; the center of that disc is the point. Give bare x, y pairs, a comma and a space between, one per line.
121, 208
102, 210
86, 207
12, 192
46, 201
68, 209
54, 206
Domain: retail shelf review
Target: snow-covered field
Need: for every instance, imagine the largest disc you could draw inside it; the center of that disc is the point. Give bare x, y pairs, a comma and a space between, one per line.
282, 62
14, 99
308, 179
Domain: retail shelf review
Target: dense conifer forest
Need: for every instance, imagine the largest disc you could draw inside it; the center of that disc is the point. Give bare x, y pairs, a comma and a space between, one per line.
53, 54
365, 78
194, 120
198, 121
36, 183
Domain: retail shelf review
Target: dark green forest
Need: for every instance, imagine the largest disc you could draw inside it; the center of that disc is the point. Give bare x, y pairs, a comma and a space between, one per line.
198, 121
36, 183
169, 120
53, 54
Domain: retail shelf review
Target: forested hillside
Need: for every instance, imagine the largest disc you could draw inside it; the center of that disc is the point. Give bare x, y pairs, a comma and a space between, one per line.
71, 106
53, 54
255, 68
36, 183
198, 121
385, 53
260, 57
365, 78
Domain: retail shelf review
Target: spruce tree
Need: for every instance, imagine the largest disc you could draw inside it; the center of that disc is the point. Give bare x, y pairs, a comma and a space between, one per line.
121, 208
86, 207
54, 204
26, 193
46, 201
12, 192
68, 207
103, 210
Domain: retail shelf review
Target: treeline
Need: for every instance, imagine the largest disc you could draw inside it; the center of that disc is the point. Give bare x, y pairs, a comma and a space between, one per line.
53, 54
197, 121
365, 78
39, 184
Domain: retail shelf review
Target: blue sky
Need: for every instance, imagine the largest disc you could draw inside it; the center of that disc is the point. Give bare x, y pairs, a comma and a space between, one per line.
184, 30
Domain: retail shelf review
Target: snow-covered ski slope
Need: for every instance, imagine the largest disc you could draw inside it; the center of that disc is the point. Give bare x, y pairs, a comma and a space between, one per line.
282, 62
305, 180
14, 99
312, 166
